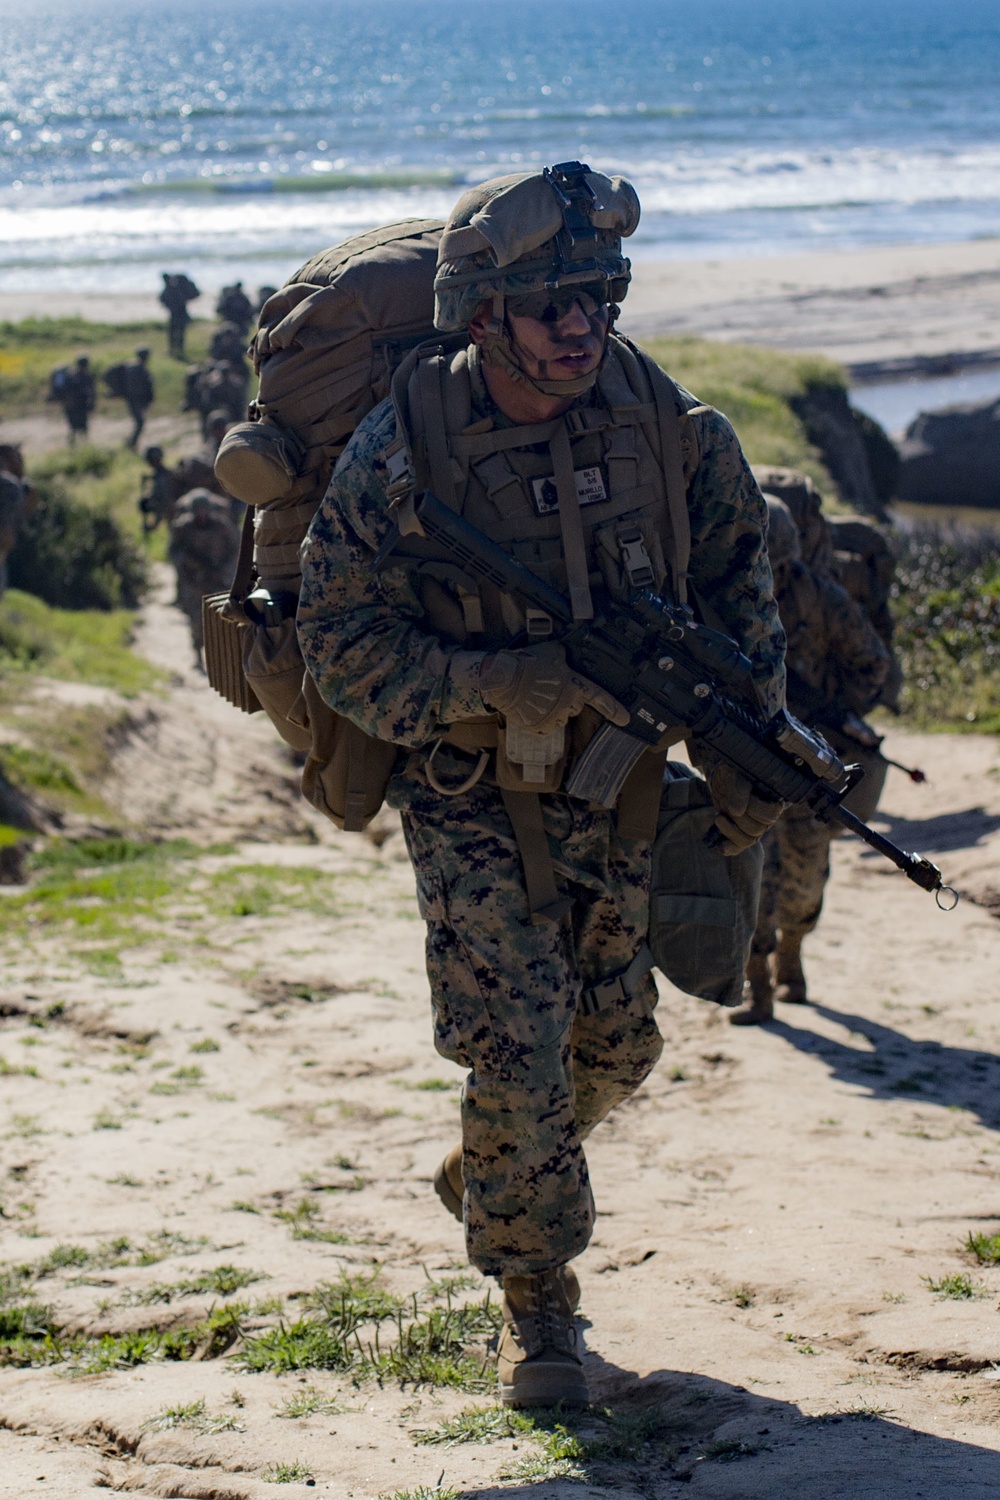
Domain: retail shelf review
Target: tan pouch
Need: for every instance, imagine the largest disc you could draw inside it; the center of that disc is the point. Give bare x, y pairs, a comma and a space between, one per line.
275, 672
258, 461
534, 772
223, 628
346, 771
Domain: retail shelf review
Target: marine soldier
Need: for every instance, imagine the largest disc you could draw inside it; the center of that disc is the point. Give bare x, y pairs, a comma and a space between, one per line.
76, 393
203, 547
234, 306
178, 291
569, 447
214, 387
836, 666
138, 393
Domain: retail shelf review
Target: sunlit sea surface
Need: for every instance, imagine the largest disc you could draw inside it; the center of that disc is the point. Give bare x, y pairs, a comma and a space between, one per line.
238, 138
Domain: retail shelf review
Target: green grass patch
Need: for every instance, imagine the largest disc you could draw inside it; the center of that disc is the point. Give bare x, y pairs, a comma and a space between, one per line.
309, 1402
478, 1424
195, 1416
220, 1281
958, 1286
754, 387
108, 892
293, 1473
303, 1218
92, 646
355, 1326
16, 1070
946, 601
271, 890
71, 855
31, 348
423, 1492
731, 1450
985, 1247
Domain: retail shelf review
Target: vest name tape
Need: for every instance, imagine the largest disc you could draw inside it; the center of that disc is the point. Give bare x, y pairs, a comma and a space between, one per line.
590, 490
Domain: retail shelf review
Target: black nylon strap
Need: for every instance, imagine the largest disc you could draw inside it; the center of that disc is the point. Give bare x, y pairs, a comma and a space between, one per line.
243, 576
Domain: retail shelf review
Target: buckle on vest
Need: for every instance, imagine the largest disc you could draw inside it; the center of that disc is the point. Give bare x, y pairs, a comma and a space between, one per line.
537, 623
636, 560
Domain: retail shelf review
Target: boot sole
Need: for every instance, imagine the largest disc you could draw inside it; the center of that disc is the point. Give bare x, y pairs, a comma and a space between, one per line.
546, 1391
447, 1194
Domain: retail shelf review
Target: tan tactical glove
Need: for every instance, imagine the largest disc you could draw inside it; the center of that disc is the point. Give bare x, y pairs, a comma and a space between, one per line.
742, 817
537, 690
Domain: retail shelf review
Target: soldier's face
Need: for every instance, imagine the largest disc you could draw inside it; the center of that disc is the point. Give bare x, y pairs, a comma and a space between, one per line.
562, 350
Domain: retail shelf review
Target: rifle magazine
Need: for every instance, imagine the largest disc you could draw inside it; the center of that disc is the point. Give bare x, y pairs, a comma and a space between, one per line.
600, 772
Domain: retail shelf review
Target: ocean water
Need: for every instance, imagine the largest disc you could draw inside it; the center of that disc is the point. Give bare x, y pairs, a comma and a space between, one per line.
237, 138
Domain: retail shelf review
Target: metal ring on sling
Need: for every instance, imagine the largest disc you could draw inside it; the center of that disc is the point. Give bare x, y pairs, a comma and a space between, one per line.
470, 781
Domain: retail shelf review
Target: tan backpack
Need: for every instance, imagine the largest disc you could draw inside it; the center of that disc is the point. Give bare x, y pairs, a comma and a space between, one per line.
326, 349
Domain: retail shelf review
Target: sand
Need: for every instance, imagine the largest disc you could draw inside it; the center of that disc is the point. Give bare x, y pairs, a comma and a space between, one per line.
772, 1204
856, 306
877, 304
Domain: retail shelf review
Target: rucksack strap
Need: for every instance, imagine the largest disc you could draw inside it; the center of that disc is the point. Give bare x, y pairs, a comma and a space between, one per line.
429, 376
243, 576
571, 524
545, 901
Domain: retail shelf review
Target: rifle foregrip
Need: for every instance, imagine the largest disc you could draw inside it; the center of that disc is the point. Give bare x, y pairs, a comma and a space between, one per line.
600, 772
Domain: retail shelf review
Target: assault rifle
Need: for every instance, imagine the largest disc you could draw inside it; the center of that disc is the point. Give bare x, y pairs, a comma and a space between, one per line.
668, 671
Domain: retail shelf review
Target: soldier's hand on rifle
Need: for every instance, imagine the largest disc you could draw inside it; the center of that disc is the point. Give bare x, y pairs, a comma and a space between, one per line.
537, 690
742, 817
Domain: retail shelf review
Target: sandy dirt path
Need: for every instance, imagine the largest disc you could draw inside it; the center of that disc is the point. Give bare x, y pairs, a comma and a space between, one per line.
244, 1077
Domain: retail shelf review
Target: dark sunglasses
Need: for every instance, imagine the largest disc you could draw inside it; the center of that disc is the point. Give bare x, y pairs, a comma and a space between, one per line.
551, 306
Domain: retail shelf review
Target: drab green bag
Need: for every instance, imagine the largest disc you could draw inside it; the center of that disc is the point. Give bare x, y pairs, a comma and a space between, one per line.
703, 903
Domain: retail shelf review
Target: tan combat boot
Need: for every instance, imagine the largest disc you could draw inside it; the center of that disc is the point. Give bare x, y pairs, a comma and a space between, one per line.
789, 979
539, 1358
450, 1189
758, 996
448, 1182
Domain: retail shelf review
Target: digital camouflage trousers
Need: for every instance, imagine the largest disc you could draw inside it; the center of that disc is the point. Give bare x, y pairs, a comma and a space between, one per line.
507, 1006
796, 869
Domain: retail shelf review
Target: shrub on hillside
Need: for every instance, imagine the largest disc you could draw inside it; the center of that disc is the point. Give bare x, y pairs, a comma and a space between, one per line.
77, 557
946, 601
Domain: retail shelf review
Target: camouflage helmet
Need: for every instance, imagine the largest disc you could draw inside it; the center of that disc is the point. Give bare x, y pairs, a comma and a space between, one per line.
532, 230
805, 503
783, 546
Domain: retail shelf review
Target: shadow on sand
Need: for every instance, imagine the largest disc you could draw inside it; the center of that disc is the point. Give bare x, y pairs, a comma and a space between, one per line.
897, 1067
674, 1434
938, 835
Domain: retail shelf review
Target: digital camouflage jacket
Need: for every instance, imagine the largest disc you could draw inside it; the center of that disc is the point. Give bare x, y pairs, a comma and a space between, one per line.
365, 639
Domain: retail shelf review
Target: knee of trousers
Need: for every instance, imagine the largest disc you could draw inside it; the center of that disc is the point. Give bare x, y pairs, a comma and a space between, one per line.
614, 1051
514, 1084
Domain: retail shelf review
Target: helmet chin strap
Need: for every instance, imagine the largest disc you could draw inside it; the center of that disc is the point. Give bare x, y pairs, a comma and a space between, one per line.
497, 349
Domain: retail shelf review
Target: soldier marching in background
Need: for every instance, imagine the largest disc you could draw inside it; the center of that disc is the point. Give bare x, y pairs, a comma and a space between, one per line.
204, 544
178, 291
234, 306
74, 389
164, 486
836, 666
133, 384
